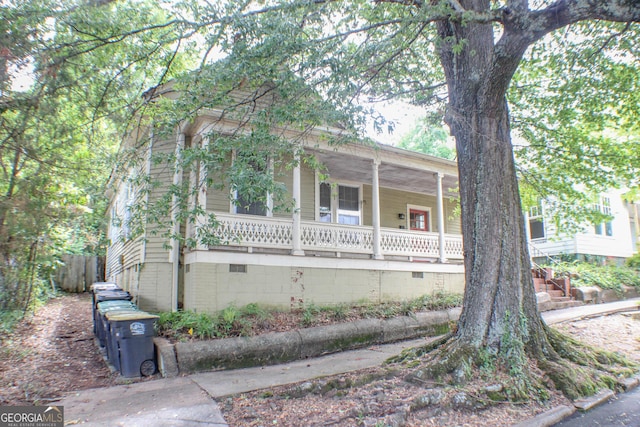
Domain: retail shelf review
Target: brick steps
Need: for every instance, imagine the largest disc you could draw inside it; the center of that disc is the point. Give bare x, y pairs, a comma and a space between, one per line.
551, 287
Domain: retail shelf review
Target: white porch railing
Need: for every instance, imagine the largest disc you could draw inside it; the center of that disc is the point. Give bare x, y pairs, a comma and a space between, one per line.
264, 232
254, 231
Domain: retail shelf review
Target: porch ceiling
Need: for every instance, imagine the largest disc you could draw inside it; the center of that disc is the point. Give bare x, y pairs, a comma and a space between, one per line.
343, 166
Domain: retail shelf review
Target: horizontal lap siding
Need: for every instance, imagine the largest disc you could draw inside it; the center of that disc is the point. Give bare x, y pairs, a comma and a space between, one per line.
162, 174
394, 202
614, 246
308, 193
285, 177
218, 195
218, 199
452, 221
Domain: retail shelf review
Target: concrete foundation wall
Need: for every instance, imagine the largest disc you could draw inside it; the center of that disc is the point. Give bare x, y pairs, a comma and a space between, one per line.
209, 287
154, 287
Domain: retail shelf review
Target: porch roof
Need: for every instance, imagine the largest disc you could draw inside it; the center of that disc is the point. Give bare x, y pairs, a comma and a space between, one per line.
398, 169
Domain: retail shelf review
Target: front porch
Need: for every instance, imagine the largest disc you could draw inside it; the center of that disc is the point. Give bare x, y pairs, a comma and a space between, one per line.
376, 224
276, 235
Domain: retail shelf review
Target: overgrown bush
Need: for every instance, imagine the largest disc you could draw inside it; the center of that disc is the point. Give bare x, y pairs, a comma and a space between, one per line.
8, 319
235, 321
633, 261
604, 276
231, 321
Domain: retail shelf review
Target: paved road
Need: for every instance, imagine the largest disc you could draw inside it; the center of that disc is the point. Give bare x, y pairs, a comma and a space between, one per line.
622, 410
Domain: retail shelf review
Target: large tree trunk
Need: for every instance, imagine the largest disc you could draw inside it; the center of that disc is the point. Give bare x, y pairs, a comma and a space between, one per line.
499, 302
500, 314
499, 299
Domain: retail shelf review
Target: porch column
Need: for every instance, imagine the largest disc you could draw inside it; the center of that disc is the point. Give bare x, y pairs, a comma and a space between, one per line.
296, 231
202, 193
269, 195
440, 207
174, 254
375, 195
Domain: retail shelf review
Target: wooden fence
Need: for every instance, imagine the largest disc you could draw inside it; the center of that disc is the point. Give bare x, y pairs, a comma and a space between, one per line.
79, 272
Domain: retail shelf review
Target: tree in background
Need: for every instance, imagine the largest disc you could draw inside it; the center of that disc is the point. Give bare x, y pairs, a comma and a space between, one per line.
572, 108
428, 139
67, 92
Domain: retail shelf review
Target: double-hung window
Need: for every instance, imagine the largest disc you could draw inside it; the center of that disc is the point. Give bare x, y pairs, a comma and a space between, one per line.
250, 198
604, 228
536, 223
339, 203
325, 213
348, 205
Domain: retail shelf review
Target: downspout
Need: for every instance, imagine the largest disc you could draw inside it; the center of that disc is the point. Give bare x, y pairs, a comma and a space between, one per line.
175, 202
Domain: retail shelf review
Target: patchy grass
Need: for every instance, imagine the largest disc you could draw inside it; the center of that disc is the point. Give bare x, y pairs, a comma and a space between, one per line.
254, 319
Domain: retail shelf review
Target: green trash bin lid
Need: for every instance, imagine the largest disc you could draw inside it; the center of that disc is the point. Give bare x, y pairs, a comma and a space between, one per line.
106, 306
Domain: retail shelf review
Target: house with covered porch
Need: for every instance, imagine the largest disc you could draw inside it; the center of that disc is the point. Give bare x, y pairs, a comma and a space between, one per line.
378, 224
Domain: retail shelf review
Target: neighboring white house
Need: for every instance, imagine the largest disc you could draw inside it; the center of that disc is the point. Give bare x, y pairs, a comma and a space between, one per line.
383, 226
609, 241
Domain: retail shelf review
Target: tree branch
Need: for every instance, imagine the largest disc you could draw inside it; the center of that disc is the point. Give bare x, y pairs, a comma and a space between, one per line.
566, 12
524, 27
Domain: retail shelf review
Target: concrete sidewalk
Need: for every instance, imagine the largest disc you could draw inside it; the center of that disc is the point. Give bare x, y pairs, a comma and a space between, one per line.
189, 400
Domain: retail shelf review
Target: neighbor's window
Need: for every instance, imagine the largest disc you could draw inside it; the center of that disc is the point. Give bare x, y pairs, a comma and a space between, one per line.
604, 228
536, 222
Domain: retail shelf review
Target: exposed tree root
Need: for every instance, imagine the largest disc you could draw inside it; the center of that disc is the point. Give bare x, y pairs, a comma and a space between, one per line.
577, 370
580, 370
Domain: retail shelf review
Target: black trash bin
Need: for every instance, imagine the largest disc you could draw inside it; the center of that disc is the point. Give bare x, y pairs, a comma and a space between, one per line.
95, 288
102, 296
132, 332
103, 325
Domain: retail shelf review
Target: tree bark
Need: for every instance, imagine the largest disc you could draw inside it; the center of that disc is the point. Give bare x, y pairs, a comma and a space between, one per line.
499, 303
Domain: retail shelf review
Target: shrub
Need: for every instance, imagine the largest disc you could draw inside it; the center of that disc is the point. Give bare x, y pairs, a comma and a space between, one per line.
604, 276
633, 261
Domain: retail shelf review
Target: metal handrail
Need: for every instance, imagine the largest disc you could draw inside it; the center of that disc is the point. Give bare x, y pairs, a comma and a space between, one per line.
542, 271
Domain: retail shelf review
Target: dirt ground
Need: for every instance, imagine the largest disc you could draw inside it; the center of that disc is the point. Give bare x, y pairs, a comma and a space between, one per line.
53, 353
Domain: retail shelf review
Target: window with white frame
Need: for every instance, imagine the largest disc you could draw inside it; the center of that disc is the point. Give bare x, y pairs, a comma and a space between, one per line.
325, 213
536, 222
114, 224
339, 203
348, 205
129, 200
604, 207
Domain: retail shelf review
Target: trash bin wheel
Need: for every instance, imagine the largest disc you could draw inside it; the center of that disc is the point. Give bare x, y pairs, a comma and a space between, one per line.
148, 367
